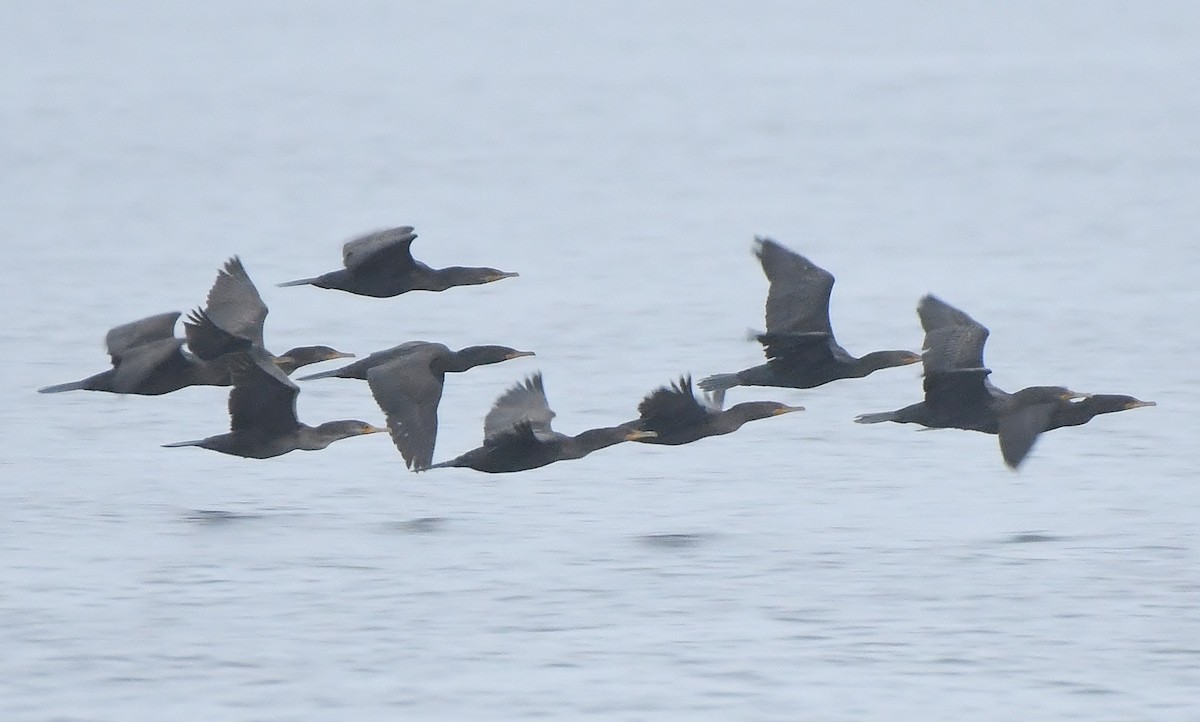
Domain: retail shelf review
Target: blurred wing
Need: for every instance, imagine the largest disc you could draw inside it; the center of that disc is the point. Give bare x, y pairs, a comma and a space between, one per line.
234, 304
798, 299
130, 335
1019, 430
953, 340
392, 246
208, 340
138, 364
966, 390
409, 393
672, 407
518, 440
263, 399
801, 350
525, 404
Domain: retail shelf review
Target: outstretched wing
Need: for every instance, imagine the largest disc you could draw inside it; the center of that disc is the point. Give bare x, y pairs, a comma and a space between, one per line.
409, 392
130, 335
234, 303
263, 399
208, 340
392, 246
953, 340
523, 403
800, 350
135, 366
671, 407
1019, 430
798, 299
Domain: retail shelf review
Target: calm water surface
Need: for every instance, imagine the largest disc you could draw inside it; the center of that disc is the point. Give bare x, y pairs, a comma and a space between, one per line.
1036, 164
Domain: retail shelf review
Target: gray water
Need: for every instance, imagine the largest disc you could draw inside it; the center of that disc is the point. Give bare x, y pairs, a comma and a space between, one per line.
1035, 163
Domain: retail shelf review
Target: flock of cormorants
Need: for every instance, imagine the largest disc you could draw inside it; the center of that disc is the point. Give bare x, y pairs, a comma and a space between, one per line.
225, 347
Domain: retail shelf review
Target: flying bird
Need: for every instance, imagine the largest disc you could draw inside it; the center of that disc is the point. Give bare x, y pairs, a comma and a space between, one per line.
799, 344
381, 265
517, 434
407, 382
959, 394
262, 415
676, 416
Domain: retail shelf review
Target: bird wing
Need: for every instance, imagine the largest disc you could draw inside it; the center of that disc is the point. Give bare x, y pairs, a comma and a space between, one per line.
518, 439
953, 340
136, 365
961, 392
409, 392
798, 299
130, 335
263, 399
1020, 428
208, 340
525, 402
671, 407
391, 246
802, 350
234, 304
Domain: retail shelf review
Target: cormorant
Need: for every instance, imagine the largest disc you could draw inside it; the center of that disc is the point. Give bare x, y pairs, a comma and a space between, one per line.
678, 417
262, 413
381, 264
148, 359
959, 395
517, 434
799, 344
233, 318
407, 380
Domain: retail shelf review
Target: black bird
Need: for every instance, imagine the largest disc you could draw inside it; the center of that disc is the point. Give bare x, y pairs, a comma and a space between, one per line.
233, 318
381, 264
801, 350
517, 434
149, 360
959, 395
262, 412
676, 416
407, 380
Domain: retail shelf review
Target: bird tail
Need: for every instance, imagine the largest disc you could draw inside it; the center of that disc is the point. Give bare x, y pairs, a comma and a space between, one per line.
443, 465
58, 388
299, 282
321, 375
719, 382
177, 444
875, 418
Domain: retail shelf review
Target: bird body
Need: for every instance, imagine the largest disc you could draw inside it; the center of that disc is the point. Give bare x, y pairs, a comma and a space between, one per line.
959, 394
148, 360
799, 343
517, 435
407, 381
381, 265
262, 412
678, 417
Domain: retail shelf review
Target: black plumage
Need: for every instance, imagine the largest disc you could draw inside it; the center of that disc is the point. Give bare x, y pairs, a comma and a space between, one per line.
517, 435
678, 417
959, 394
262, 414
233, 319
799, 343
381, 265
149, 360
407, 382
